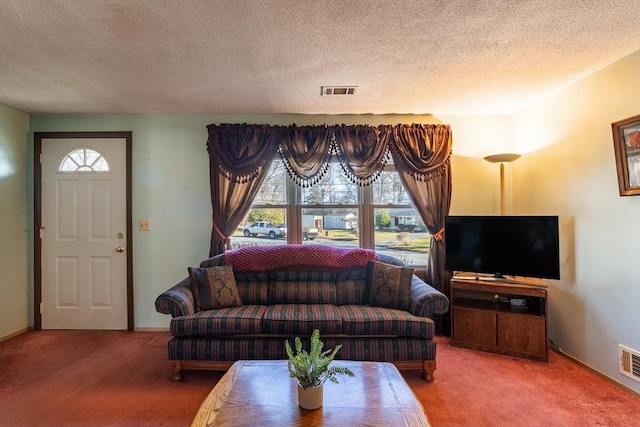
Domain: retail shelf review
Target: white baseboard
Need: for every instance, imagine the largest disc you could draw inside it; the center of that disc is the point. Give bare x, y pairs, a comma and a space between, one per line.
598, 373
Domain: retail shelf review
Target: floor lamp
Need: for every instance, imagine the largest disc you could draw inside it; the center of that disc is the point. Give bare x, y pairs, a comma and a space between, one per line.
502, 159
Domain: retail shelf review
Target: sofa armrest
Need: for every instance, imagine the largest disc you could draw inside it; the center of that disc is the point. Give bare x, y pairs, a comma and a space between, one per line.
177, 300
426, 300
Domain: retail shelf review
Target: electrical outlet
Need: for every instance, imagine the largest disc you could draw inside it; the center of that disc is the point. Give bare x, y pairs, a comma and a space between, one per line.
143, 225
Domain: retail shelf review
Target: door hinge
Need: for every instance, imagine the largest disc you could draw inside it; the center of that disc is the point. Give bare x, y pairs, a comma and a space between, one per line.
40, 158
40, 308
41, 231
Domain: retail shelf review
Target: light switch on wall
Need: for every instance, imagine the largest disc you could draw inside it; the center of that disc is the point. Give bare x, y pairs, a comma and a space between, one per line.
143, 225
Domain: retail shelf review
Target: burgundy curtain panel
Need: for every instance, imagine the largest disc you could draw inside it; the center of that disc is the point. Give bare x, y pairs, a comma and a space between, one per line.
239, 157
422, 156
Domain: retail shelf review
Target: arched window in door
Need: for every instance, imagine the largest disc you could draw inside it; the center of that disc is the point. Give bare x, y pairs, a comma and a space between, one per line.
84, 159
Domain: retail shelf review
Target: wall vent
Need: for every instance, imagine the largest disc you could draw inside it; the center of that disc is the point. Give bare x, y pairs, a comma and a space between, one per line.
338, 90
629, 362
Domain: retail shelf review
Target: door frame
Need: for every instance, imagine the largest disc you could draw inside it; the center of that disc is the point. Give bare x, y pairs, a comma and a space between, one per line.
38, 138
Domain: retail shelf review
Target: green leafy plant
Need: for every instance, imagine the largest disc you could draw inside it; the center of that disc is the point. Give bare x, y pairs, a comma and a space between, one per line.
312, 368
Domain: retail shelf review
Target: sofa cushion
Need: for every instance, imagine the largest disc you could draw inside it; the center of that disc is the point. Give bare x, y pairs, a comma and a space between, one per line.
301, 319
350, 285
352, 273
388, 285
350, 291
214, 287
253, 287
302, 287
366, 320
221, 322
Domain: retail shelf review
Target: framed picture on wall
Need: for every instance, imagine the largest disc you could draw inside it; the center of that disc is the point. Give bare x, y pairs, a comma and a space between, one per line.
626, 143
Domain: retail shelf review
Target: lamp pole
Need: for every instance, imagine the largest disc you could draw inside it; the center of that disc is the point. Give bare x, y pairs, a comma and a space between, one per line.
502, 159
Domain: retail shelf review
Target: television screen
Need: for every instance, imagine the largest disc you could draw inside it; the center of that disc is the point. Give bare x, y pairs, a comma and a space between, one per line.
526, 246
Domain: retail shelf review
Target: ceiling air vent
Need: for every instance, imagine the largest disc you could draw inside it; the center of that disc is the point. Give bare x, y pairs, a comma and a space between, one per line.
629, 362
338, 90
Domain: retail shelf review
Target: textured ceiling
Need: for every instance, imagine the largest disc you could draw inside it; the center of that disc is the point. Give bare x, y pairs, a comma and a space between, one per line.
270, 56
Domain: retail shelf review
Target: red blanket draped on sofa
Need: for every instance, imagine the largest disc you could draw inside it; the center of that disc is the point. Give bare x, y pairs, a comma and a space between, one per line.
265, 258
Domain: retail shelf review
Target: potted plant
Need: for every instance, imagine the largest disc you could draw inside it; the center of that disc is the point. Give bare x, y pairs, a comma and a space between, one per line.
311, 369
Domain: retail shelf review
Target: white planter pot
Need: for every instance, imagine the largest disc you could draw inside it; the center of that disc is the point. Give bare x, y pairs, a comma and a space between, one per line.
310, 398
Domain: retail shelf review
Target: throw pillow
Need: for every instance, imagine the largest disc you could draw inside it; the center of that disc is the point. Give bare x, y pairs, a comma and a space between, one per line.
388, 286
214, 287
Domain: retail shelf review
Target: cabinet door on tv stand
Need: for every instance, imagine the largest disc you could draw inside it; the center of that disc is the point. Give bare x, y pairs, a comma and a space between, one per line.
474, 326
521, 333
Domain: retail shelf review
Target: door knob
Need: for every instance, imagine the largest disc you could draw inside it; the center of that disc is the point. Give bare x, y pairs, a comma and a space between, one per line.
120, 249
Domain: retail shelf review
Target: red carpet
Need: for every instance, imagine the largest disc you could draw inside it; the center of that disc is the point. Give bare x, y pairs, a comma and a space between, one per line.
95, 379
474, 388
74, 378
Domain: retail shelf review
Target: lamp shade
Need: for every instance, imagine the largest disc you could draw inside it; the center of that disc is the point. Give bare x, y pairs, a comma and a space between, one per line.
502, 158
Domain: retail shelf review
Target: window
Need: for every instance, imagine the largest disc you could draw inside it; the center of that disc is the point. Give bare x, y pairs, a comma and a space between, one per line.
334, 204
266, 221
399, 230
337, 212
83, 159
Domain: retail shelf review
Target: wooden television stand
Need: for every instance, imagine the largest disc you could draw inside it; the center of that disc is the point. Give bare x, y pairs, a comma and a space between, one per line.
501, 316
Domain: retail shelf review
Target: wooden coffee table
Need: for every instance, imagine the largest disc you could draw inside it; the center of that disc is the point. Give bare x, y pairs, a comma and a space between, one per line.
261, 393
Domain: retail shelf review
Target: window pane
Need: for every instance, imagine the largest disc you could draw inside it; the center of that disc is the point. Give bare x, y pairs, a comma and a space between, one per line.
83, 160
90, 157
339, 227
261, 227
312, 225
100, 165
274, 187
78, 156
68, 165
388, 190
401, 233
334, 189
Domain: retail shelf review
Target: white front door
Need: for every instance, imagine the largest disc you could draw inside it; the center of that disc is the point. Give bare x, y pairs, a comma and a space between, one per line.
83, 236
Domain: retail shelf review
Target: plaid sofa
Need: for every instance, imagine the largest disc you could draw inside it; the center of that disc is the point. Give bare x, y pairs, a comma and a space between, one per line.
279, 305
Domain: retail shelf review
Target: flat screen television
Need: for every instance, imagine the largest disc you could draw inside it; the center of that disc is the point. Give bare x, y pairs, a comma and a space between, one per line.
526, 246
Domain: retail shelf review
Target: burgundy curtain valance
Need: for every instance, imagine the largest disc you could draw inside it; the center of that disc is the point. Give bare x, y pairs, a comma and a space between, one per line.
420, 150
240, 151
362, 150
306, 151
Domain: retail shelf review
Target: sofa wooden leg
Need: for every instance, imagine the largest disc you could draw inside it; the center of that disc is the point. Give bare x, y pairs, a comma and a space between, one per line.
428, 367
176, 370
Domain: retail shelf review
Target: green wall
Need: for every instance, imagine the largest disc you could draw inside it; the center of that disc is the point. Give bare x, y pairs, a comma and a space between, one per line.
14, 252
